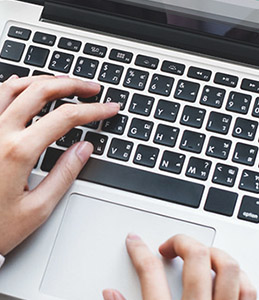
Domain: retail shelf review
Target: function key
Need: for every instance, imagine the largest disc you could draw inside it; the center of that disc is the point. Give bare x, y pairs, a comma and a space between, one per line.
146, 61
186, 90
167, 110
12, 51
245, 129
226, 79
69, 44
7, 70
172, 67
61, 62
225, 175
198, 168
249, 181
110, 73
255, 112
250, 85
198, 73
136, 79
95, 50
212, 96
245, 154
19, 33
86, 67
36, 56
44, 38
122, 56
249, 209
172, 162
161, 85
238, 102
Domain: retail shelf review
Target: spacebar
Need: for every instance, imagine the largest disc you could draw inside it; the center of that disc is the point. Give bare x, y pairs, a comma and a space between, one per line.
142, 182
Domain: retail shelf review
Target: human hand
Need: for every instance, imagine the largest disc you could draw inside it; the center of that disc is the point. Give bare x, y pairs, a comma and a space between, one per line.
22, 211
230, 282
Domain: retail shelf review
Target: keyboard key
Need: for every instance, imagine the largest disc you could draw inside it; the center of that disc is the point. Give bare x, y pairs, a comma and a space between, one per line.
7, 70
136, 79
115, 124
167, 110
61, 102
221, 202
192, 141
166, 135
140, 129
92, 125
110, 73
250, 85
45, 110
245, 154
255, 112
117, 96
212, 96
238, 102
245, 129
93, 99
198, 168
19, 33
121, 56
249, 181
218, 147
161, 85
146, 156
50, 158
172, 67
193, 116
86, 67
69, 44
120, 149
172, 162
225, 175
70, 138
44, 38
198, 73
249, 209
12, 51
61, 62
187, 90
219, 122
146, 61
226, 79
95, 50
38, 72
36, 56
141, 104
98, 140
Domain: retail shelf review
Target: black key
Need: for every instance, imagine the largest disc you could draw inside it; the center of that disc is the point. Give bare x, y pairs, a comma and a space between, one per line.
44, 110
122, 56
255, 112
166, 135
193, 116
93, 99
120, 149
198, 168
92, 125
95, 50
226, 79
221, 202
173, 67
198, 73
172, 162
245, 154
167, 110
212, 96
117, 96
245, 129
115, 124
70, 138
192, 141
146, 156
249, 181
225, 175
161, 85
86, 67
186, 90
238, 102
140, 129
69, 44
136, 79
249, 209
110, 73
61, 102
7, 70
37, 73
146, 61
44, 38
19, 33
61, 62
250, 85
50, 158
219, 122
218, 147
36, 56
98, 140
12, 51
141, 104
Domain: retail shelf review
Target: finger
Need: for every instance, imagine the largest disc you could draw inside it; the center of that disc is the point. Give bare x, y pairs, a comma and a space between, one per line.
149, 268
227, 281
112, 295
197, 279
247, 290
35, 97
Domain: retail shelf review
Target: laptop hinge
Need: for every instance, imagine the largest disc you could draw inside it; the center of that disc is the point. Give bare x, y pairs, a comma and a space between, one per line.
172, 37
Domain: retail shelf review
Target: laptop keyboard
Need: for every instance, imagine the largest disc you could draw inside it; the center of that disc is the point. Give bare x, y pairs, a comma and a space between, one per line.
185, 133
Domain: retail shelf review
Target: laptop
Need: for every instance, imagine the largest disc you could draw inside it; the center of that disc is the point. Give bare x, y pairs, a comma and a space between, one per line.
180, 157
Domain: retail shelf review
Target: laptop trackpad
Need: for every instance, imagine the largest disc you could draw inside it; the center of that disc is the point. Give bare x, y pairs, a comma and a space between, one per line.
89, 254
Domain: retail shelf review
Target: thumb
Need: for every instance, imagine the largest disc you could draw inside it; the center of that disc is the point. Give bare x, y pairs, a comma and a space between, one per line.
112, 295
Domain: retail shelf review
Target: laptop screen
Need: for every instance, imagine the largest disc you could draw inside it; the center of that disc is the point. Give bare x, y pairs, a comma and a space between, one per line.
233, 19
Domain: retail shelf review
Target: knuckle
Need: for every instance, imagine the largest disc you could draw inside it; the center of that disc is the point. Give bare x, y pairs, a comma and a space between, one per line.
10, 85
198, 251
40, 87
248, 292
149, 264
15, 149
67, 173
69, 112
230, 265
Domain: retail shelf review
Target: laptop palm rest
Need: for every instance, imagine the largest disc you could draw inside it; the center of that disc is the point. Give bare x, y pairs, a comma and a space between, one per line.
91, 239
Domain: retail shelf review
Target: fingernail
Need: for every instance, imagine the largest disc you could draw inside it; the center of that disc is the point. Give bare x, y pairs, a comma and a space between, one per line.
93, 84
113, 104
14, 76
62, 76
112, 295
133, 237
84, 150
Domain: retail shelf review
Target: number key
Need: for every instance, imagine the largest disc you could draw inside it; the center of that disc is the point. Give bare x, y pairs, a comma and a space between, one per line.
61, 62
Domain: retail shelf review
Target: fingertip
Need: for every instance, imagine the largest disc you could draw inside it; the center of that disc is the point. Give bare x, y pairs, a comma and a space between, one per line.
84, 151
113, 105
109, 294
